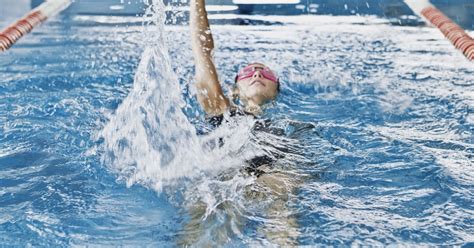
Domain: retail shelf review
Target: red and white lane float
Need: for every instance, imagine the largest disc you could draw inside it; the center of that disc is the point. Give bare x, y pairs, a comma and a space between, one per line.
14, 32
453, 32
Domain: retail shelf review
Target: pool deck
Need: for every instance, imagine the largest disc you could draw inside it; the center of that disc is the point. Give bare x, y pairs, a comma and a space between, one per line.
461, 11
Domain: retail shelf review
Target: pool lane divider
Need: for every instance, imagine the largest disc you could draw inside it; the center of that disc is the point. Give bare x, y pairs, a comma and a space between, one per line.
453, 32
48, 9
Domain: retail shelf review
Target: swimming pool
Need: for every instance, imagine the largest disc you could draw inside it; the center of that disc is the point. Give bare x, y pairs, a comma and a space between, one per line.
388, 161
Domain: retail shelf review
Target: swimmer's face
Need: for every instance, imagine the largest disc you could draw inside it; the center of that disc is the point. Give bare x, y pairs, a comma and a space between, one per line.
256, 83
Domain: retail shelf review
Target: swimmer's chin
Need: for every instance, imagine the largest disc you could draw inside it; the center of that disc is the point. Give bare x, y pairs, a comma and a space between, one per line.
257, 83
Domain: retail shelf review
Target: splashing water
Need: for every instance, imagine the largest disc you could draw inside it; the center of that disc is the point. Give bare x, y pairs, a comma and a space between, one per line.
149, 140
391, 150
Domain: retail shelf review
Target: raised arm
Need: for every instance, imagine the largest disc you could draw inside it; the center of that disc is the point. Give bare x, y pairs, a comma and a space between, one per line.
210, 94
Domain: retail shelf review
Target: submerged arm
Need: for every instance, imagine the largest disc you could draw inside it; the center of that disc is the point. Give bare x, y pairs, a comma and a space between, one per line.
210, 94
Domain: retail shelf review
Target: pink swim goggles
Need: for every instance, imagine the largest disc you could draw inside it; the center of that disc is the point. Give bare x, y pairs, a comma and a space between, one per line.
249, 70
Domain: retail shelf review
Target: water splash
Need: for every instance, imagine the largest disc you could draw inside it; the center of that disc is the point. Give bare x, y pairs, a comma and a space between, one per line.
149, 140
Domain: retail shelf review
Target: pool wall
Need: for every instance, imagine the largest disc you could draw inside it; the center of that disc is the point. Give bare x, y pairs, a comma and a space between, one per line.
461, 11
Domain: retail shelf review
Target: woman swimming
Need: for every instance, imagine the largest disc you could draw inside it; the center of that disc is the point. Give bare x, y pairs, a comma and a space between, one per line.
255, 84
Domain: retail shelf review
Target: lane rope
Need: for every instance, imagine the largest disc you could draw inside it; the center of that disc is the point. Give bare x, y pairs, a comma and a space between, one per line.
10, 35
453, 32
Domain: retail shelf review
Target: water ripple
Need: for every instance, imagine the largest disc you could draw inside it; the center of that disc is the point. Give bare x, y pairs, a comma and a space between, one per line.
379, 138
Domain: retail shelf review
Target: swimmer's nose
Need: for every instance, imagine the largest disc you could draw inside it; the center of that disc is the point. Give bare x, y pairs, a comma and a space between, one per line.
257, 74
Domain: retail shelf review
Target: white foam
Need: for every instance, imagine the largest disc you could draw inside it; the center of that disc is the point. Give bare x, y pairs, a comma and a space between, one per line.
149, 140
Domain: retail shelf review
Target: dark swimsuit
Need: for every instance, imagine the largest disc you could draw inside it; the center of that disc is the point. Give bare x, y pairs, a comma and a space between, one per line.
253, 164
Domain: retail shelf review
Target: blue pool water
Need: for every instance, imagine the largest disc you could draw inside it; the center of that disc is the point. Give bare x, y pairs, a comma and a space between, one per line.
93, 150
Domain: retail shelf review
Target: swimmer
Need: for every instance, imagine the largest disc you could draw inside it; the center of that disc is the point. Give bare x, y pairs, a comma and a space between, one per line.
255, 85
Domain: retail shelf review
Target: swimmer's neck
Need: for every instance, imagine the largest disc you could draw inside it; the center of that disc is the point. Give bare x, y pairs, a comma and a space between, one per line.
253, 108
